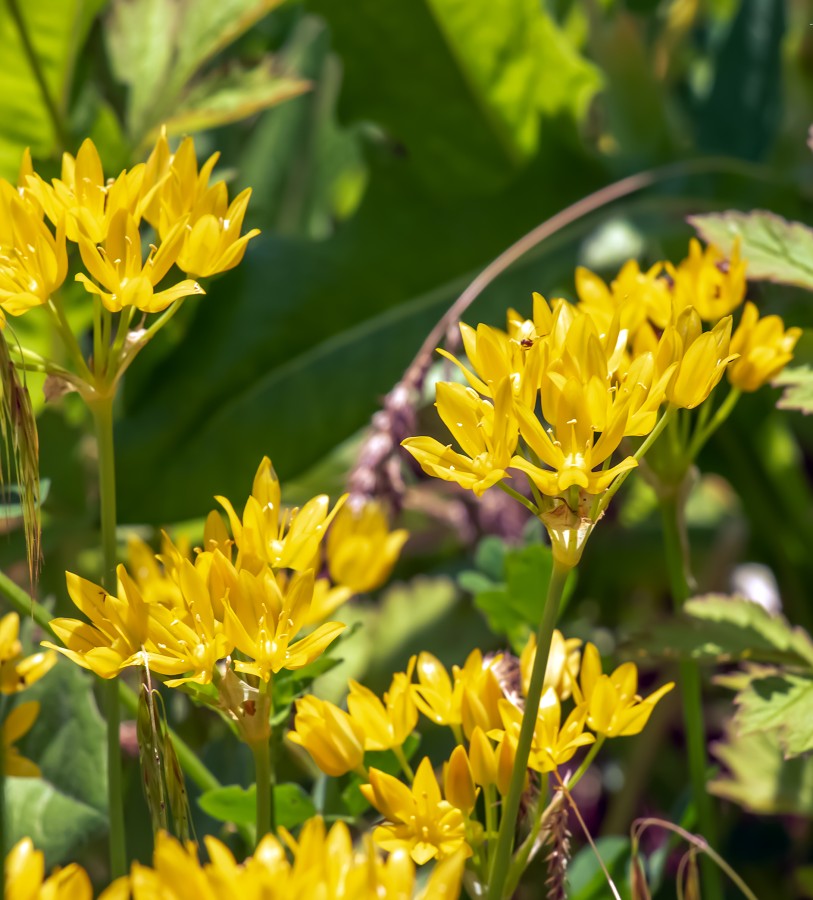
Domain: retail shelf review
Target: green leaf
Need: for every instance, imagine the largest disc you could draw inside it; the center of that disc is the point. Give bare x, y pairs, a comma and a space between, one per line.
567, 81
741, 113
57, 30
717, 628
67, 806
156, 47
468, 114
760, 778
232, 803
780, 703
222, 98
798, 385
776, 250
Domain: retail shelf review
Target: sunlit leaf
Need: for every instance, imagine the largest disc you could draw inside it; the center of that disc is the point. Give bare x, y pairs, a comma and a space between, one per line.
292, 806
798, 385
781, 703
776, 250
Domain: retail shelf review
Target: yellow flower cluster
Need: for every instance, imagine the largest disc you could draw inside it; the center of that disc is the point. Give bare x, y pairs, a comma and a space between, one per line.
194, 226
485, 719
557, 395
254, 596
16, 673
323, 864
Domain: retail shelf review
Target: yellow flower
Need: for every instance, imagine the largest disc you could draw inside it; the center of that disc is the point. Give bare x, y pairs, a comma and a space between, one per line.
25, 877
82, 198
486, 433
270, 533
764, 348
707, 281
419, 820
361, 550
702, 358
563, 664
490, 765
17, 724
118, 630
458, 781
613, 707
17, 672
263, 624
329, 734
119, 267
554, 743
180, 193
33, 262
389, 723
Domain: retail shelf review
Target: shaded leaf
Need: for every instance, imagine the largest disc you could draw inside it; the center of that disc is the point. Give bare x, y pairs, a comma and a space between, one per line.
235, 804
798, 385
717, 628
67, 806
776, 250
780, 703
742, 111
585, 879
759, 778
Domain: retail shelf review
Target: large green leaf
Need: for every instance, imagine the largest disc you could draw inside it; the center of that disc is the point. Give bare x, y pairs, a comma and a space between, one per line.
57, 29
780, 703
776, 250
798, 385
760, 778
232, 803
717, 628
156, 47
456, 83
67, 806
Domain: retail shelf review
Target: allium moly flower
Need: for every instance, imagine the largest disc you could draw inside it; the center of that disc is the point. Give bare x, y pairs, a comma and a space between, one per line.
263, 623
33, 261
764, 348
613, 706
386, 724
323, 864
25, 878
563, 664
419, 820
486, 433
271, 534
124, 277
360, 548
332, 738
16, 725
554, 742
18, 672
491, 765
706, 280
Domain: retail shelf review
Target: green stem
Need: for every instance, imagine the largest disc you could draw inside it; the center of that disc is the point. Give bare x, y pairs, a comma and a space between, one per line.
103, 420
39, 75
3, 847
591, 755
518, 497
264, 775
520, 861
676, 563
704, 432
403, 762
69, 339
508, 822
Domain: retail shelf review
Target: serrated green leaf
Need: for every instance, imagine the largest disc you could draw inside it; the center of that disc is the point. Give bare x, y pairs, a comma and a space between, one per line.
68, 805
718, 628
292, 805
57, 30
798, 385
780, 703
776, 250
760, 778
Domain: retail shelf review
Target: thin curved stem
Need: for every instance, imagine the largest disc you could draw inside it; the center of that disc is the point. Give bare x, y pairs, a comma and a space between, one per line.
704, 432
518, 497
591, 755
508, 823
263, 773
69, 339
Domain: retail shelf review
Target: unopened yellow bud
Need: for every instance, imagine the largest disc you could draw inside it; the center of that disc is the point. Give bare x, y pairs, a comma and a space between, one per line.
458, 782
329, 734
764, 347
505, 765
482, 758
